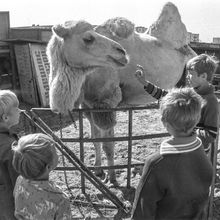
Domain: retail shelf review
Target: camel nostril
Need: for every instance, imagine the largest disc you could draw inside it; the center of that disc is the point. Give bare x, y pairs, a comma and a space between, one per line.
121, 50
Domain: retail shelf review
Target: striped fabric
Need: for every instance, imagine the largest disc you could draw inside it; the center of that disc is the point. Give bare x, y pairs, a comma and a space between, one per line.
210, 129
177, 145
155, 91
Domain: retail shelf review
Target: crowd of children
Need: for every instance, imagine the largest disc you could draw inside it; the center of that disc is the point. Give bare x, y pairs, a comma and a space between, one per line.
175, 180
25, 164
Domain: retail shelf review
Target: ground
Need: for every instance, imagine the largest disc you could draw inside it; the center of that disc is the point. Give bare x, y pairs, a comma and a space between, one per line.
93, 205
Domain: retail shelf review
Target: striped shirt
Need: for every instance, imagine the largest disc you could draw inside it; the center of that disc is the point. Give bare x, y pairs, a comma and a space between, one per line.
177, 145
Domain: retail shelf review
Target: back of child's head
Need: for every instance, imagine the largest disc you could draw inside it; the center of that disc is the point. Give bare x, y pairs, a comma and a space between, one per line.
32, 153
203, 63
8, 99
181, 109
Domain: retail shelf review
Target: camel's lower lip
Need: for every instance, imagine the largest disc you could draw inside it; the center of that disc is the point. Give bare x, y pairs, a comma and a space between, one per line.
119, 62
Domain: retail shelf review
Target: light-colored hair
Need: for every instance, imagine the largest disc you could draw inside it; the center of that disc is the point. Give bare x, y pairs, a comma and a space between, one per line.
203, 63
32, 153
181, 108
8, 99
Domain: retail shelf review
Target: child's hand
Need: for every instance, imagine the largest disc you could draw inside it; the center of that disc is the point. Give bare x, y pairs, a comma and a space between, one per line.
139, 74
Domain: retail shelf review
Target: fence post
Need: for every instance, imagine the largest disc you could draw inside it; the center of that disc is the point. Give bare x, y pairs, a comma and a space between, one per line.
129, 148
81, 148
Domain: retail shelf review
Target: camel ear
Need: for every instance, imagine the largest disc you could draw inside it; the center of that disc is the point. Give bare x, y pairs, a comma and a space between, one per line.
60, 30
169, 27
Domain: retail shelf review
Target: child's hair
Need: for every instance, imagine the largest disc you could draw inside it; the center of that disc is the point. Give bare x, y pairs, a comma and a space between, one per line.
203, 63
32, 153
181, 108
8, 99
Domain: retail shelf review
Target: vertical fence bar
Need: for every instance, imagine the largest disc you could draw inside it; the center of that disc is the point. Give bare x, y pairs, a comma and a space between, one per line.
81, 145
214, 154
129, 148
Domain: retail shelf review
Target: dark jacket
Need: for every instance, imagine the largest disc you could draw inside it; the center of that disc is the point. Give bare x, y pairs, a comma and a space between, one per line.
8, 175
173, 186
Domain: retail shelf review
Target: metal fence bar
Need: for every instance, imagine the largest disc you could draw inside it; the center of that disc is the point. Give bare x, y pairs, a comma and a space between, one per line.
126, 138
81, 148
121, 166
129, 147
214, 153
150, 106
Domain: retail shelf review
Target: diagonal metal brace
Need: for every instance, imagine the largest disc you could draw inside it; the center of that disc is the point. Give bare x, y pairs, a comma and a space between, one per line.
39, 123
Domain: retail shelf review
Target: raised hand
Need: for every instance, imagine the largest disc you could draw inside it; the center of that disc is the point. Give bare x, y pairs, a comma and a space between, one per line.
139, 74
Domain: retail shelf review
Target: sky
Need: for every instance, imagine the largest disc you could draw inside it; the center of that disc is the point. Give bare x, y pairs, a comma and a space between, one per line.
199, 16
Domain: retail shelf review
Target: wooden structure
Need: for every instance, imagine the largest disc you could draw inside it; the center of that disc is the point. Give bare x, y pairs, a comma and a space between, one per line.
6, 72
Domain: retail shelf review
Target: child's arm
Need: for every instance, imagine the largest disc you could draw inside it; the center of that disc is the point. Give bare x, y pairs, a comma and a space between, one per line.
153, 90
208, 126
11, 173
148, 192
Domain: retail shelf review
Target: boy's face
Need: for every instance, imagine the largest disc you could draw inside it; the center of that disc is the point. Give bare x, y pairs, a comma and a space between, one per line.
12, 117
194, 80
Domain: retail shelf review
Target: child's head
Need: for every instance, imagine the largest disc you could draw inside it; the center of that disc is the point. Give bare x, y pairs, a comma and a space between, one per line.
180, 110
34, 154
9, 111
200, 68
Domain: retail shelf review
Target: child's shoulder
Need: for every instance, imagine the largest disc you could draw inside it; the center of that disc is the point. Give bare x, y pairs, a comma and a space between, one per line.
151, 161
5, 144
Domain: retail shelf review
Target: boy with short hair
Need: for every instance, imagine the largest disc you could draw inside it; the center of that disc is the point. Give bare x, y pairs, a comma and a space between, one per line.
9, 116
36, 196
200, 74
175, 181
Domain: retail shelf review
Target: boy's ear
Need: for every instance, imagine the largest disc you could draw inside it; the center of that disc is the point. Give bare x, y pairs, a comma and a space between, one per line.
4, 118
204, 75
49, 167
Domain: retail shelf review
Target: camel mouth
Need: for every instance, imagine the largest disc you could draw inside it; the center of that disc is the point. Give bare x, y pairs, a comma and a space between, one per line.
119, 62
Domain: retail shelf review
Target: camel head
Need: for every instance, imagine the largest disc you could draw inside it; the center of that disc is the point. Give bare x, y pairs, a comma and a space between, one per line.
74, 51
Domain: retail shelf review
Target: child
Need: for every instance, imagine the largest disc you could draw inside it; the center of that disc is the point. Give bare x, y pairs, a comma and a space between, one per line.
175, 181
36, 197
9, 116
200, 73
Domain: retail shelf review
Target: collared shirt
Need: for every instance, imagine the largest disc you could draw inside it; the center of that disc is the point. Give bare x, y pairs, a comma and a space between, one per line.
177, 145
40, 200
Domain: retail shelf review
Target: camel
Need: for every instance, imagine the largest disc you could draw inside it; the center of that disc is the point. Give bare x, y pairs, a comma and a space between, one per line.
162, 50
74, 51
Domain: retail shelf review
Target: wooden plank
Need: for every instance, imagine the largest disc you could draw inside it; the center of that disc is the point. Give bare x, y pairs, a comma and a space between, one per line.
41, 69
25, 74
4, 26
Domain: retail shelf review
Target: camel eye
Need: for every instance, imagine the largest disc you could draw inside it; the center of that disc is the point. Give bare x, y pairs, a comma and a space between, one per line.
88, 40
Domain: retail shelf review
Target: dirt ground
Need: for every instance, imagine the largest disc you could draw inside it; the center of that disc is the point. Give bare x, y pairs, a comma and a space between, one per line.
92, 204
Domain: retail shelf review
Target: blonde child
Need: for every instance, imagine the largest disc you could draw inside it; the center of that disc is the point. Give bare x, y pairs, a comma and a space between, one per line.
37, 197
200, 71
9, 116
175, 181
